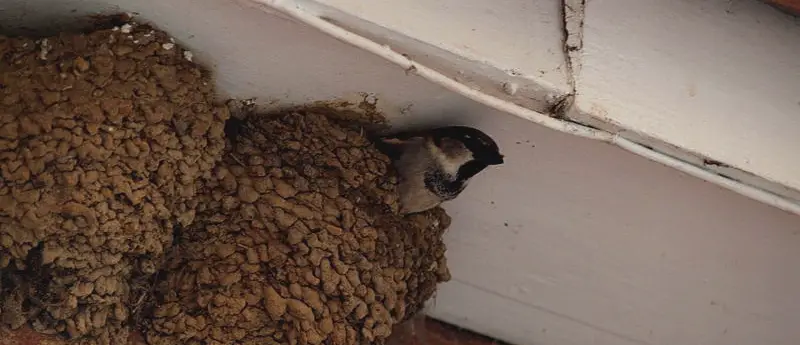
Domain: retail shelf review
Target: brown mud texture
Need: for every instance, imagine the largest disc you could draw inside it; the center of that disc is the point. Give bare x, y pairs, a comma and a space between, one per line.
298, 241
103, 139
122, 207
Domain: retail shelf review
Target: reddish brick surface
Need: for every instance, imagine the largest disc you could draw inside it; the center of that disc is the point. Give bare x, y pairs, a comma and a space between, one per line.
432, 332
789, 5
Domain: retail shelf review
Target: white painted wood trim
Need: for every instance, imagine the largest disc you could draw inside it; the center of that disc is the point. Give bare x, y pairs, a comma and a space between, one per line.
694, 163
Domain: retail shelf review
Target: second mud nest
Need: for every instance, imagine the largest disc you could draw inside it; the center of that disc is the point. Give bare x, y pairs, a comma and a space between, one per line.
103, 137
297, 241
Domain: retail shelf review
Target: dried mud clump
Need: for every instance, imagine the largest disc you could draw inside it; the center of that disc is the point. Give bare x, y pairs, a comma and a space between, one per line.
103, 137
297, 241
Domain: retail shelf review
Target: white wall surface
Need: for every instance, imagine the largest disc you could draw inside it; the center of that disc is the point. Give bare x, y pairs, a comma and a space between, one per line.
570, 242
719, 78
603, 247
532, 74
480, 31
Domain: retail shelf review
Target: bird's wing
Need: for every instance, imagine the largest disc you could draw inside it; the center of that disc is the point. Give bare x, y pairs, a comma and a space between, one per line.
391, 146
394, 145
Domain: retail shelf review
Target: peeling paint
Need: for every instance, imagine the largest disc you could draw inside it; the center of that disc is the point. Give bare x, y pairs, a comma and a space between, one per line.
711, 162
561, 107
573, 13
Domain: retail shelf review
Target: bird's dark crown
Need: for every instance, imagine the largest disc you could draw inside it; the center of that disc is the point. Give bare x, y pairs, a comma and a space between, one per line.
483, 147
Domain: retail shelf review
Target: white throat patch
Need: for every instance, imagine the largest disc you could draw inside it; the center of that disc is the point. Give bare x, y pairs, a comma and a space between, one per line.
449, 164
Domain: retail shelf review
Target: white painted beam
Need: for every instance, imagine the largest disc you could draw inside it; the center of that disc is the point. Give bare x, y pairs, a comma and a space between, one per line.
520, 36
716, 79
516, 44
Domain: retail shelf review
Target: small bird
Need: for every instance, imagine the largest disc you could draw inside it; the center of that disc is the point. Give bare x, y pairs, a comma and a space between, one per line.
435, 165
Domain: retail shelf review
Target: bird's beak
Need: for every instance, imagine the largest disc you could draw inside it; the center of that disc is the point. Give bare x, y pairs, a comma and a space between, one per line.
496, 160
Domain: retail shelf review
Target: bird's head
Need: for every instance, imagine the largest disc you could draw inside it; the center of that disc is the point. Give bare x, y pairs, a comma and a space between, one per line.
466, 150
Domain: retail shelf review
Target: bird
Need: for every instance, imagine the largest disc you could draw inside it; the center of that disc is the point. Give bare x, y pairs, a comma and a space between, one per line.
435, 165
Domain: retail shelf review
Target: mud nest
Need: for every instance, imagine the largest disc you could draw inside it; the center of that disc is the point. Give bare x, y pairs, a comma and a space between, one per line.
103, 138
298, 241
121, 206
